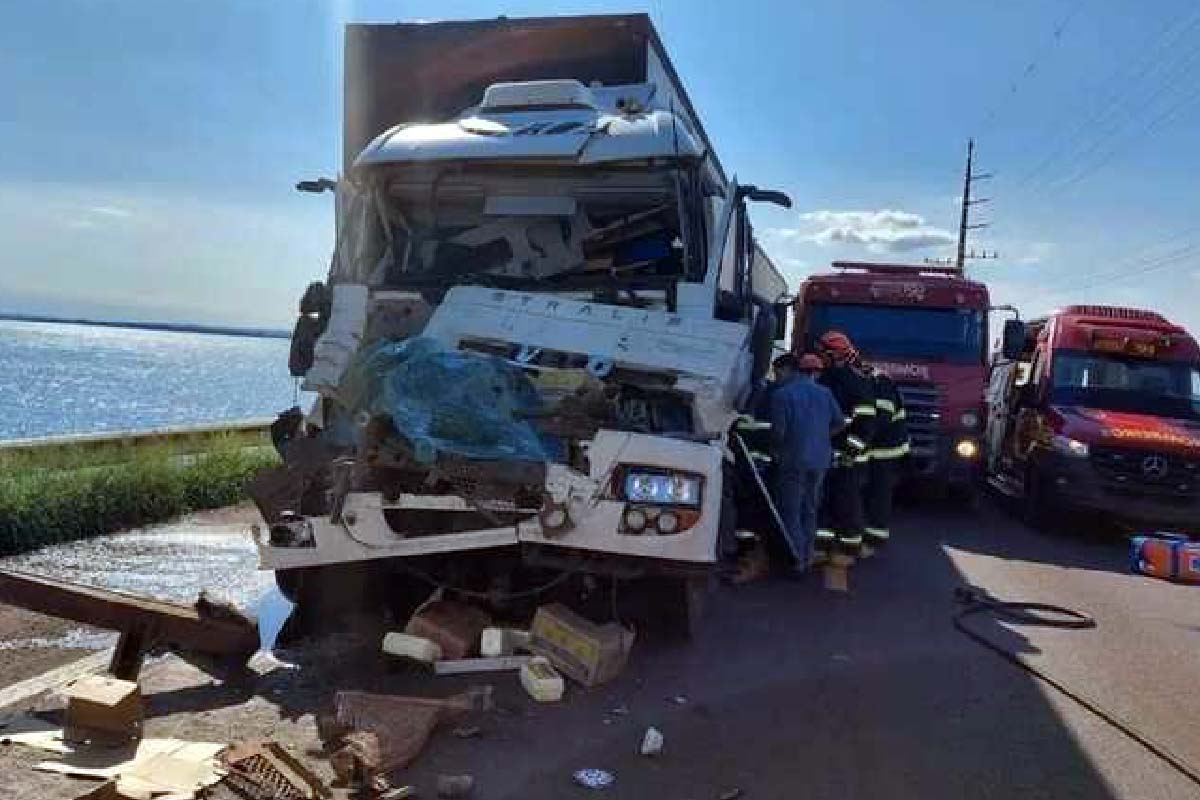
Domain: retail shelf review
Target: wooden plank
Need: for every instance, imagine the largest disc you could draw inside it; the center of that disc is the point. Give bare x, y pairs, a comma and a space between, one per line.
54, 679
158, 621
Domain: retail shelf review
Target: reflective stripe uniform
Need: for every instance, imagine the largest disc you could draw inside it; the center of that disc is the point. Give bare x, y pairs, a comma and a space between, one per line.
889, 445
842, 518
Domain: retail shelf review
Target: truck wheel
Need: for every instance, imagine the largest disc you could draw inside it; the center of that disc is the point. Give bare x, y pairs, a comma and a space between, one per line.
693, 596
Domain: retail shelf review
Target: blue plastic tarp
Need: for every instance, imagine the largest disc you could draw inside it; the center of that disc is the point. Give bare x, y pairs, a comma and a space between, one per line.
443, 401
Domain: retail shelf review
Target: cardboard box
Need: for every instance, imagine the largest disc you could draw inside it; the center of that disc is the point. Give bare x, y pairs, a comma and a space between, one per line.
103, 710
588, 653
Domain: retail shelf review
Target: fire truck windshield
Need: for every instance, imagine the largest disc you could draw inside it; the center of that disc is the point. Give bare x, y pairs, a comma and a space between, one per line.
937, 334
1115, 383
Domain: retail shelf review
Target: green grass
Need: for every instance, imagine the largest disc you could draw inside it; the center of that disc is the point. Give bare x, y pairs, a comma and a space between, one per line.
59, 496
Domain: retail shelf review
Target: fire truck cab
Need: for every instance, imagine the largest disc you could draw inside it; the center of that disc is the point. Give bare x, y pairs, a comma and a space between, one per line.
926, 327
1097, 409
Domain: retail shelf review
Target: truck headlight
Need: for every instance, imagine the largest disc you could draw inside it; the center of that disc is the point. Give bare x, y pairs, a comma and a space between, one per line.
1068, 446
969, 419
662, 487
966, 448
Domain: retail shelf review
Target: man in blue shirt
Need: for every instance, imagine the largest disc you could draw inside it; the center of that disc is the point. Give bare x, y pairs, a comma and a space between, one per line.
804, 418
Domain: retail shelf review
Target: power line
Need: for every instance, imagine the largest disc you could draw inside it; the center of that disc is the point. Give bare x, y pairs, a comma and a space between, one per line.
1031, 67
1120, 82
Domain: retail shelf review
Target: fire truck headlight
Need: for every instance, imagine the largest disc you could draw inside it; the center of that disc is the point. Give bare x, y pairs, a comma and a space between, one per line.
969, 419
966, 448
1068, 446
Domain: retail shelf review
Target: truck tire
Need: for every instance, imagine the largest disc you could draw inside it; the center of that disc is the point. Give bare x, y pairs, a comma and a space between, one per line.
691, 597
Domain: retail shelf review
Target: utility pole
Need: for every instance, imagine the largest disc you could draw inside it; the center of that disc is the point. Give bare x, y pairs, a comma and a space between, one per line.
964, 224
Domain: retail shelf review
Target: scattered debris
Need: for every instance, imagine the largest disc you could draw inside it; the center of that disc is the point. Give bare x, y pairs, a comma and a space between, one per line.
403, 725
652, 742
405, 645
399, 793
837, 578
450, 786
495, 664
679, 700
541, 681
586, 652
103, 710
151, 767
356, 762
503, 641
594, 778
732, 794
456, 627
205, 627
467, 732
619, 711
265, 770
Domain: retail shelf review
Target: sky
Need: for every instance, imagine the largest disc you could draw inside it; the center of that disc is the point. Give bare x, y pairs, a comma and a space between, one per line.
148, 150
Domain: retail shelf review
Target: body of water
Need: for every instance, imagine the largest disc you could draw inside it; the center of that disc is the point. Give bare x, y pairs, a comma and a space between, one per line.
62, 378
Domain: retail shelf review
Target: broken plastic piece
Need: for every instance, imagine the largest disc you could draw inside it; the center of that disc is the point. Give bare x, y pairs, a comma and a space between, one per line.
405, 645
594, 778
503, 641
652, 742
541, 681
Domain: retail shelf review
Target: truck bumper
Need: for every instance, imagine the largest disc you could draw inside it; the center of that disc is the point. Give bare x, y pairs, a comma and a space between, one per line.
362, 532
942, 464
1073, 484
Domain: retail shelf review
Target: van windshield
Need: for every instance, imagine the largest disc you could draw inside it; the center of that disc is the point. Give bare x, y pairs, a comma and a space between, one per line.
1115, 383
936, 334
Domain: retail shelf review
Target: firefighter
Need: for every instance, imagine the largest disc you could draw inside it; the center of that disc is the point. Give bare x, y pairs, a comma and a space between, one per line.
889, 445
844, 522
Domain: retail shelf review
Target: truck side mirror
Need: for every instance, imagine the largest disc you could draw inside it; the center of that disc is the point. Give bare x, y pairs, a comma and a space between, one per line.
1012, 341
765, 195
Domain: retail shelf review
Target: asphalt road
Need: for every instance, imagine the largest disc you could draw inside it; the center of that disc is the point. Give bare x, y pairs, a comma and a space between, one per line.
792, 690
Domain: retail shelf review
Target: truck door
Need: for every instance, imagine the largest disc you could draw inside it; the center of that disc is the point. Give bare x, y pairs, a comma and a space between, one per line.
998, 399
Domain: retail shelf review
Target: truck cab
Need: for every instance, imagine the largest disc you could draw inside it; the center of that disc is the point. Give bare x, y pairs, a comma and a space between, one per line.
1096, 409
546, 307
926, 327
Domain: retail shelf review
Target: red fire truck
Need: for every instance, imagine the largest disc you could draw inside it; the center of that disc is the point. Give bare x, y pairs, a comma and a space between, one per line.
1096, 408
926, 327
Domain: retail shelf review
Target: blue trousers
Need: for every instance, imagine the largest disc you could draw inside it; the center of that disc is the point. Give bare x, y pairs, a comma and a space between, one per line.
798, 496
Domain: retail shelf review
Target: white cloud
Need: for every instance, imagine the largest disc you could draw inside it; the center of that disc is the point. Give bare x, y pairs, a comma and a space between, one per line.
111, 211
882, 231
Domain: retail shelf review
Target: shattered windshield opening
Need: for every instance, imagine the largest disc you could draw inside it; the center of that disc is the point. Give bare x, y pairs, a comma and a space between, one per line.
558, 229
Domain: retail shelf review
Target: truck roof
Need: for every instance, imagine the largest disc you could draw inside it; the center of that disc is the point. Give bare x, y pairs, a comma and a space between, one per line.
430, 72
895, 284
1119, 329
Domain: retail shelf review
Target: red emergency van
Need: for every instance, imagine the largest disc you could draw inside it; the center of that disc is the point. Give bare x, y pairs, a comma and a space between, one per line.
1097, 408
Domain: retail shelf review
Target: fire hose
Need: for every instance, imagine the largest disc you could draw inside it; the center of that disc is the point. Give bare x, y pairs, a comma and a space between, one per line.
977, 601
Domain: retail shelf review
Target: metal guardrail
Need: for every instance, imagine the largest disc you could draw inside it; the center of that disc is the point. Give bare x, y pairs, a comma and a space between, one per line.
178, 437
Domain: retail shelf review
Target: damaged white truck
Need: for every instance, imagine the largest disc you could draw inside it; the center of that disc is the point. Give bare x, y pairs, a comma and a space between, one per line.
544, 313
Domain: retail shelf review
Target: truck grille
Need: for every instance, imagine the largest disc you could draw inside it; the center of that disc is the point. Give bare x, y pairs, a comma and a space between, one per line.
922, 404
1146, 471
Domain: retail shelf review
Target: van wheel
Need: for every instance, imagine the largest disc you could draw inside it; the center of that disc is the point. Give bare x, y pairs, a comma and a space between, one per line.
1035, 509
